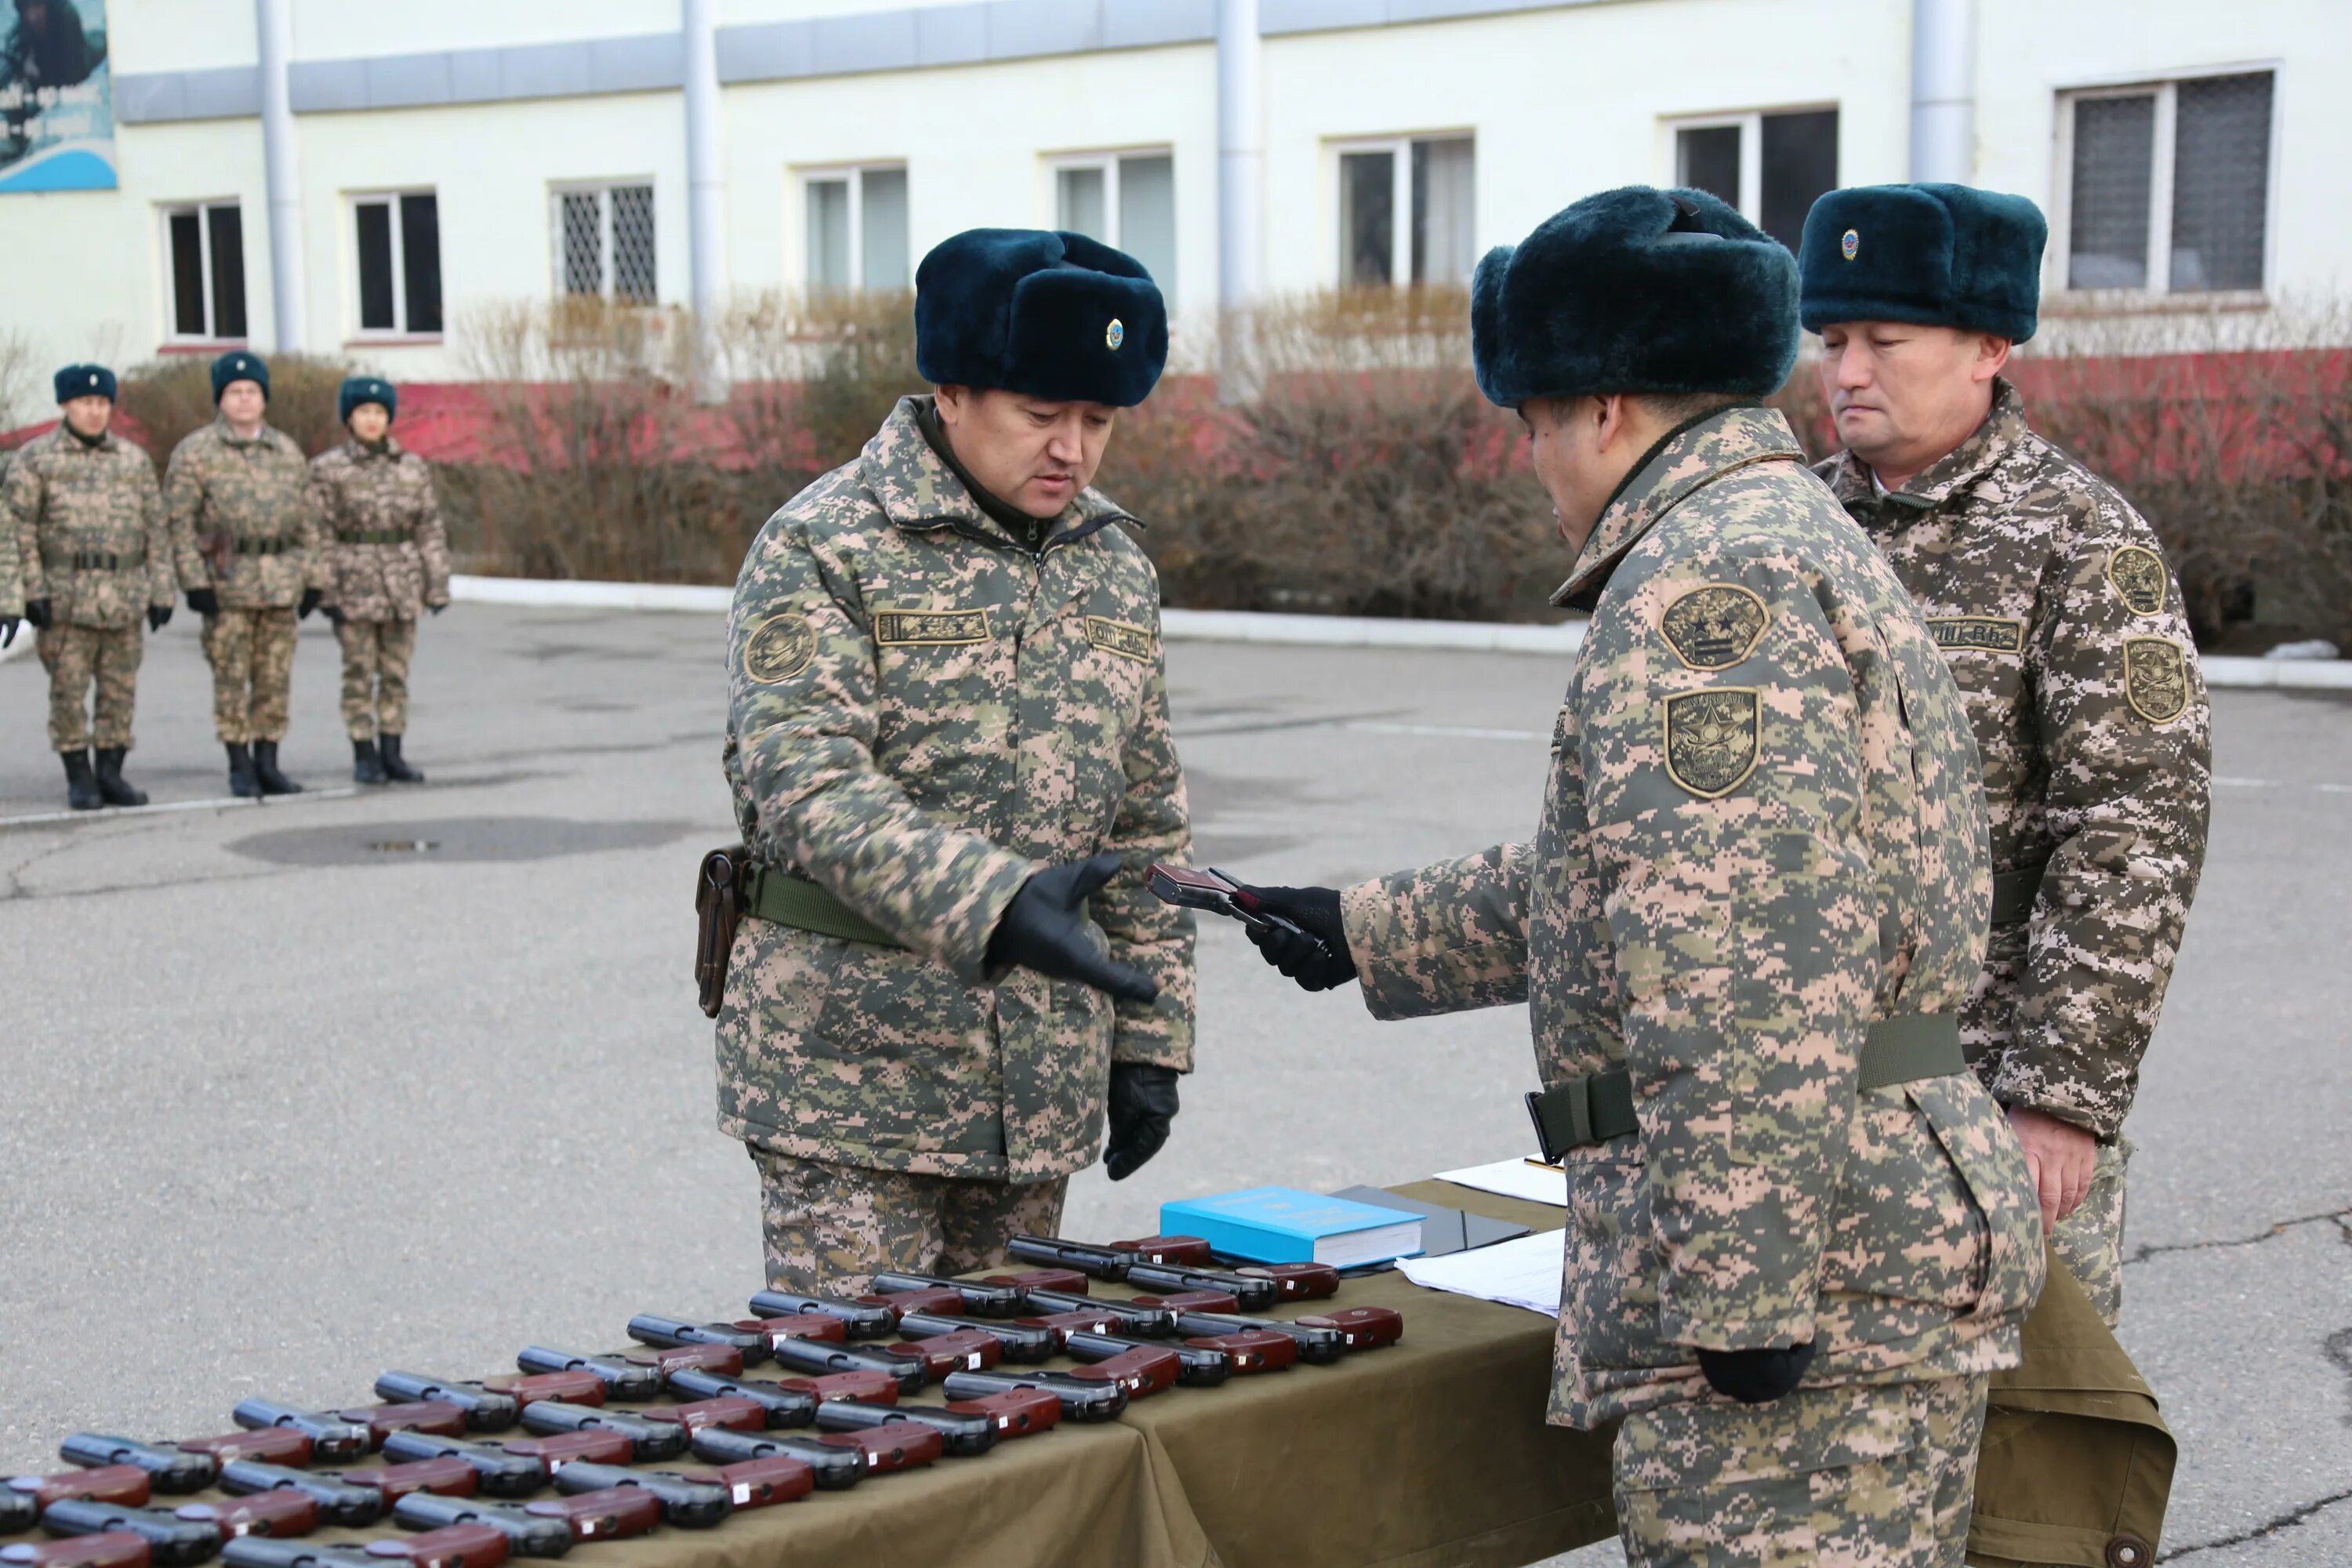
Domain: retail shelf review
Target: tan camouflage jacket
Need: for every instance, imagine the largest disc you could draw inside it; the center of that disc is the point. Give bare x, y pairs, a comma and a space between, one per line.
387, 557
12, 574
88, 530
243, 520
923, 714
2065, 628
1762, 833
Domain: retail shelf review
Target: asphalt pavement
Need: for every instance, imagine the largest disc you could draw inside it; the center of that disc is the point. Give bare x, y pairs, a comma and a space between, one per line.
404, 1077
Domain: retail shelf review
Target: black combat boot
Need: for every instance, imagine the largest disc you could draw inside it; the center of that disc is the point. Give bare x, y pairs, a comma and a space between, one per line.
81, 790
265, 768
367, 767
394, 767
110, 783
242, 782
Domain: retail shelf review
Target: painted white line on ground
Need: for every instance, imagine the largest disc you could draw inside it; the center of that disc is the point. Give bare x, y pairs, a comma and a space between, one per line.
225, 803
1445, 731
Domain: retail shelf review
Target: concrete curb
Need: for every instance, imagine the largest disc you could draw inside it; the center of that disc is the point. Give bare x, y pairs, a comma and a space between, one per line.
1299, 631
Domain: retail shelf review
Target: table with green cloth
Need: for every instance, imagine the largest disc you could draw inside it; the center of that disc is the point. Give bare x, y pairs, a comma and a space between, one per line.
1427, 1453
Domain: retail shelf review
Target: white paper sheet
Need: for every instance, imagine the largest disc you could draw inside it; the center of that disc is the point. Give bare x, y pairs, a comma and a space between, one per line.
1522, 1273
1515, 1179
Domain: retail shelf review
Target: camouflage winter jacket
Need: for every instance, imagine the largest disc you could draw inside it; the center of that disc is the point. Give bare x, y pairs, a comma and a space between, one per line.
243, 520
923, 714
1762, 833
387, 558
2049, 596
12, 573
87, 529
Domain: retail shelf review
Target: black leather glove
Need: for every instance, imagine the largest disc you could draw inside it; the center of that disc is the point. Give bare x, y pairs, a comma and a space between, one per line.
1044, 928
204, 601
436, 609
1142, 1104
311, 597
38, 612
7, 630
1756, 1377
1318, 961
334, 613
158, 616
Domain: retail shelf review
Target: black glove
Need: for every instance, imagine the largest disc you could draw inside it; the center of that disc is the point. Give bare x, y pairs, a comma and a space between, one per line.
311, 597
158, 616
436, 609
1318, 961
38, 612
1756, 1377
204, 601
7, 630
1142, 1104
1044, 928
334, 613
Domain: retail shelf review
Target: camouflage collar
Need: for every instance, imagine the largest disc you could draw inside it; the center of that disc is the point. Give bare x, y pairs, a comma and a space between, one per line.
1991, 443
266, 435
77, 442
1692, 458
361, 451
917, 490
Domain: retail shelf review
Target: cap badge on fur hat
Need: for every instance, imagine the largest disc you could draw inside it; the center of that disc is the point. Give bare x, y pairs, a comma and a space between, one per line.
1850, 246
1114, 334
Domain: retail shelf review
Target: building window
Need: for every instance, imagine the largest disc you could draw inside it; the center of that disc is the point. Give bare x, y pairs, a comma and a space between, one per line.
857, 231
1431, 180
206, 247
2165, 188
604, 243
1772, 166
1126, 200
398, 248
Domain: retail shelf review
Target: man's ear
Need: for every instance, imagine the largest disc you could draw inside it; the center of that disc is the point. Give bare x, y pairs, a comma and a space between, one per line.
1611, 415
949, 402
1992, 357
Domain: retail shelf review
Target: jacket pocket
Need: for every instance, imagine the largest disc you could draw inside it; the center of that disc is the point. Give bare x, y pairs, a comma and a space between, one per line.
1976, 1138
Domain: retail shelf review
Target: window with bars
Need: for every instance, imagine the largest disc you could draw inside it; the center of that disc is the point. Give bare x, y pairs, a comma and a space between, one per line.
1431, 182
397, 250
2166, 187
1773, 165
857, 231
604, 243
205, 254
1126, 200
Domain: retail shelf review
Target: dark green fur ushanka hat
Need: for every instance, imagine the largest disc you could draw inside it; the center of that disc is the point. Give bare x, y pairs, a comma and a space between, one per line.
84, 381
359, 389
1635, 291
1045, 314
1940, 256
239, 365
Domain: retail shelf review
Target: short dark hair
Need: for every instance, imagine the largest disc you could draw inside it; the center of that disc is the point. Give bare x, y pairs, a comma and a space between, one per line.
1680, 407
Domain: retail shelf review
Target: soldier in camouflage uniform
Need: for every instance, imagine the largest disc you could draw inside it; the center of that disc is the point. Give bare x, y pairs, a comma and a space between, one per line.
2050, 597
12, 574
245, 531
1800, 1234
387, 558
948, 748
86, 524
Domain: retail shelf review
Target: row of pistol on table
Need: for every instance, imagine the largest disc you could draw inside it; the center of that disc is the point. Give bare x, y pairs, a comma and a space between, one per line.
979, 1340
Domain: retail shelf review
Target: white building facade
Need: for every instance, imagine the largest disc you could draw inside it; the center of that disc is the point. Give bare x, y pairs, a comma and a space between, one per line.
403, 164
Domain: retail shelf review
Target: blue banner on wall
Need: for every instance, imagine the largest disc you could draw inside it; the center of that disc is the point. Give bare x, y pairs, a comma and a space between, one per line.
56, 97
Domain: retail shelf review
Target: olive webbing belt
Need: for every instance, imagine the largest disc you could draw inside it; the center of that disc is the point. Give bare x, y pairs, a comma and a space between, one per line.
2013, 892
787, 900
93, 561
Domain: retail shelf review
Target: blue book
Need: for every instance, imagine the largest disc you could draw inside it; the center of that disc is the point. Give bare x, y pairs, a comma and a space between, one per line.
1283, 1224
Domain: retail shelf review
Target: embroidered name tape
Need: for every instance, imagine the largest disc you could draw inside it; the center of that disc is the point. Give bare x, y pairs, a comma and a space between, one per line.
1982, 634
1120, 637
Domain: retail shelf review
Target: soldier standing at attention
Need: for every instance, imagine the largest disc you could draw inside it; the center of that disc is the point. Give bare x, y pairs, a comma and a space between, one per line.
387, 557
86, 523
1800, 1234
246, 532
2050, 597
947, 744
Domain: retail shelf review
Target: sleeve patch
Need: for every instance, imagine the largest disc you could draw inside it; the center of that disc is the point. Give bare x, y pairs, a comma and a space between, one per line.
1120, 637
779, 649
2138, 575
1712, 739
1714, 626
2156, 679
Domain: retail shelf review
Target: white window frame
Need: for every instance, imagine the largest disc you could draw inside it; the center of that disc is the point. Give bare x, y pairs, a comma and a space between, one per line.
855, 175
202, 207
2059, 262
1400, 149
1107, 160
608, 273
390, 199
1750, 122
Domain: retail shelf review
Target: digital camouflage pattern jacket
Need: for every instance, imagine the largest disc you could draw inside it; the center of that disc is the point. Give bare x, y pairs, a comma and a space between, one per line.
2050, 599
387, 557
1762, 833
87, 529
923, 714
243, 520
12, 573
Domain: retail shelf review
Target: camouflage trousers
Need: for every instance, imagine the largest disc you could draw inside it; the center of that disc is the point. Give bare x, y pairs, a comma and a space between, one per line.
1879, 1475
76, 656
2090, 1241
829, 1228
375, 676
252, 655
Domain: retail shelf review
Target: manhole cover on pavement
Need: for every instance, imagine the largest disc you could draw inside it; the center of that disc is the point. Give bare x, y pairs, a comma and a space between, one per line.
464, 838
